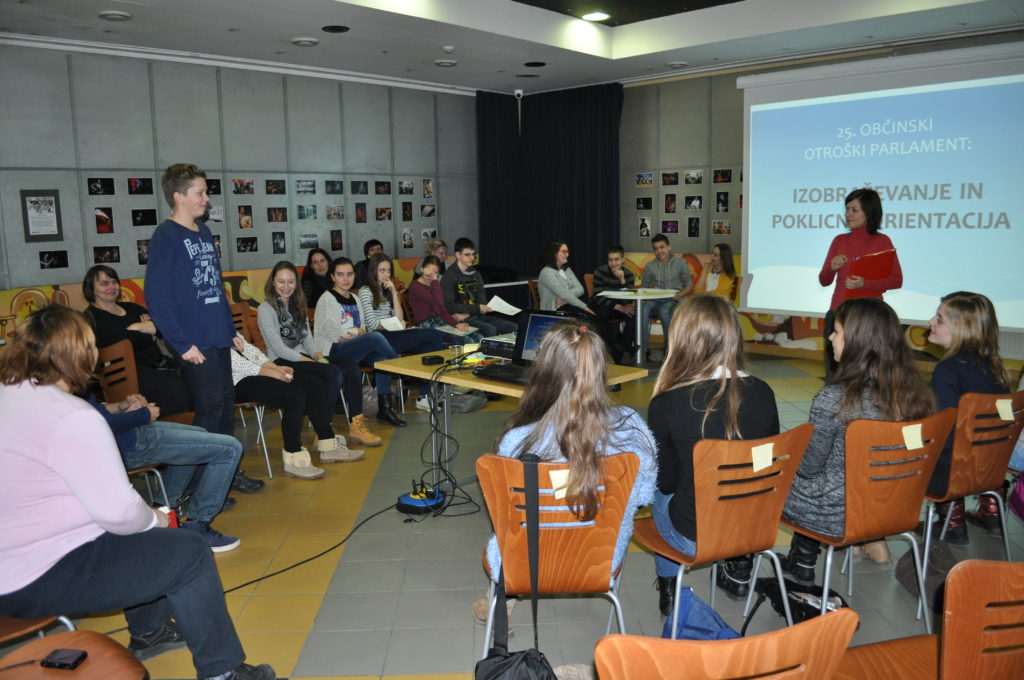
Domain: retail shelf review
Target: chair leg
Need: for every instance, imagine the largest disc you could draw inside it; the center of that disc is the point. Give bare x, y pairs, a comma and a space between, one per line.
259, 409
489, 627
928, 524
919, 566
66, 622
848, 570
344, 405
949, 516
1002, 521
159, 484
616, 608
828, 574
675, 600
753, 584
241, 414
777, 566
714, 583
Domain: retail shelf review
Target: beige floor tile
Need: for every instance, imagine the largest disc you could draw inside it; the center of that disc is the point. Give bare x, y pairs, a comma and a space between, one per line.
279, 613
280, 650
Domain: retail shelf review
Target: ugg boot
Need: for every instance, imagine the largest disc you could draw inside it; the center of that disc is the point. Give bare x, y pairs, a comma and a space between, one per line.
876, 551
987, 515
803, 555
333, 450
359, 432
666, 593
385, 413
734, 576
298, 464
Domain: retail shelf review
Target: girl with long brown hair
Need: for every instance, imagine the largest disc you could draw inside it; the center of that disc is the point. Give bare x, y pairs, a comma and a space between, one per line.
702, 392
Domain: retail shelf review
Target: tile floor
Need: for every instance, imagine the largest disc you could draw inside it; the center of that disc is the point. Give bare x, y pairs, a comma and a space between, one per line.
394, 600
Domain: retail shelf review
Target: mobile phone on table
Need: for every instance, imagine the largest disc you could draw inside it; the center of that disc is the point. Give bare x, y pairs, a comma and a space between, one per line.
65, 659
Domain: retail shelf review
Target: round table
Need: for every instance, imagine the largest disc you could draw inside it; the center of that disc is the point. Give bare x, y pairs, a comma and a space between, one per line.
638, 295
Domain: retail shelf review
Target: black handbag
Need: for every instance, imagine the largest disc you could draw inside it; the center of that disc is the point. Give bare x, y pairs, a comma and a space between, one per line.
529, 664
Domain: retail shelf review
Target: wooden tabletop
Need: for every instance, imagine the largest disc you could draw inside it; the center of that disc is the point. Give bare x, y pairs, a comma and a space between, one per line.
413, 366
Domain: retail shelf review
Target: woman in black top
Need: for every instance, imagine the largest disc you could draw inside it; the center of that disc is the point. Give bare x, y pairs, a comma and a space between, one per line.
114, 320
702, 392
316, 277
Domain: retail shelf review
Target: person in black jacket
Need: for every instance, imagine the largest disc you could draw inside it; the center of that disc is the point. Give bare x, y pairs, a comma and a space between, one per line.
619, 315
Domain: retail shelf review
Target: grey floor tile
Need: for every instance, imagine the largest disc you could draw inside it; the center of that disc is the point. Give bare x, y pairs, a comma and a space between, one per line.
343, 653
357, 611
368, 577
368, 546
436, 608
576, 641
441, 650
444, 574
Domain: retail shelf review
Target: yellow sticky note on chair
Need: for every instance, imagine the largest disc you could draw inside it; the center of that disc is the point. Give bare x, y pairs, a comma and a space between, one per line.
912, 436
1005, 408
559, 482
761, 455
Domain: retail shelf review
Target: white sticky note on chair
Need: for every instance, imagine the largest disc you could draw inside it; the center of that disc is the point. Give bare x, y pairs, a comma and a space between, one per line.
761, 455
912, 436
559, 482
1005, 408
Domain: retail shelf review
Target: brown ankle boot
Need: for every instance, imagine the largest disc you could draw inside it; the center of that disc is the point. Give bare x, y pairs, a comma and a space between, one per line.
987, 515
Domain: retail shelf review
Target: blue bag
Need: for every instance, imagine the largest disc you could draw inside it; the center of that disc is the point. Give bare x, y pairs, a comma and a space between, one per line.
697, 620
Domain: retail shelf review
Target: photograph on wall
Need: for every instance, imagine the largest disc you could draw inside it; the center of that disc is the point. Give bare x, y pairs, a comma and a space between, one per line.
427, 210
644, 203
427, 234
242, 185
406, 187
277, 242
722, 201
383, 214
645, 227
40, 215
276, 186
335, 212
307, 212
359, 187
246, 244
336, 241
428, 188
360, 212
644, 179
693, 202
53, 259
100, 186
670, 203
138, 186
334, 186
277, 214
722, 176
382, 188
407, 211
144, 217
307, 241
104, 220
212, 187
106, 254
693, 227
407, 238
723, 227
670, 226
694, 177
245, 217
305, 186
142, 249
669, 179
216, 244
215, 213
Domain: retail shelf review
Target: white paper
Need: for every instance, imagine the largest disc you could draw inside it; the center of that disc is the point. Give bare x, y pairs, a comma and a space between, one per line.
445, 328
501, 307
1005, 408
392, 324
761, 456
912, 436
559, 482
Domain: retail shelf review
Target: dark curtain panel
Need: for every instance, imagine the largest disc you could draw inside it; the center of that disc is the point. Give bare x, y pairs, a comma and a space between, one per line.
555, 177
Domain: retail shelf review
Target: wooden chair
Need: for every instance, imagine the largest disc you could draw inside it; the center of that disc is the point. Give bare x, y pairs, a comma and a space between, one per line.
982, 445
885, 484
574, 556
588, 284
403, 299
107, 659
982, 632
245, 324
534, 293
12, 628
116, 371
811, 649
738, 508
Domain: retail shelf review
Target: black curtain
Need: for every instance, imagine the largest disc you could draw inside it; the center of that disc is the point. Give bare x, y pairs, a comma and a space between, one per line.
548, 168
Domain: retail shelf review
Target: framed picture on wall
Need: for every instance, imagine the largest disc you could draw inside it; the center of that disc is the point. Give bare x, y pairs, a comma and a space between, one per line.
670, 178
40, 214
643, 179
53, 259
277, 242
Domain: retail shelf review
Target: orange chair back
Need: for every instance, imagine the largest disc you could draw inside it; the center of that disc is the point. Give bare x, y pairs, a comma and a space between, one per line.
588, 283
574, 556
811, 649
403, 298
116, 371
983, 442
534, 293
239, 316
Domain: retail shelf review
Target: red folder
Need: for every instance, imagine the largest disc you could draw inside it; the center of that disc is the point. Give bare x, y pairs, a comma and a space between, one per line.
871, 266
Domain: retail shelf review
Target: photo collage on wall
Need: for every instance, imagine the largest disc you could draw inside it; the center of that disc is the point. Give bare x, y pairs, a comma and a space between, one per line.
728, 202
121, 213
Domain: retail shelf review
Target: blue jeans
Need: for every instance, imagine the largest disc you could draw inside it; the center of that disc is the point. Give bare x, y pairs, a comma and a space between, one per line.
490, 325
661, 309
1017, 459
366, 349
659, 510
212, 390
152, 576
183, 448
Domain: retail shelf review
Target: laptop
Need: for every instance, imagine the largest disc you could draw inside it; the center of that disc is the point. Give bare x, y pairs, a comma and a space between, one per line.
532, 326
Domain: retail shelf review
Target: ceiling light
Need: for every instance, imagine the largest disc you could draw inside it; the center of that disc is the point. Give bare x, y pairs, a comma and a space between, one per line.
334, 28
445, 63
527, 75
596, 16
304, 41
114, 15
677, 64
535, 64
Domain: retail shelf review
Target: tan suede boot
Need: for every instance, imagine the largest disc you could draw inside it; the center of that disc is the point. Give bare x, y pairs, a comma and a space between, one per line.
359, 432
876, 551
333, 450
298, 464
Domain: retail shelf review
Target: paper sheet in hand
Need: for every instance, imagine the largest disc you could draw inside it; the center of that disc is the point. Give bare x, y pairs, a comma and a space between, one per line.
392, 324
501, 307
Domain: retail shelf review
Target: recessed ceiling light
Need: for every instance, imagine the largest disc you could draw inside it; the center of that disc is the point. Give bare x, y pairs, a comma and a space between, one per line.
677, 64
445, 63
335, 28
114, 15
303, 41
527, 75
535, 64
596, 16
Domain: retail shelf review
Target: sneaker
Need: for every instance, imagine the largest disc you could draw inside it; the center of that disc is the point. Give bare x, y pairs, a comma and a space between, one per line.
335, 451
246, 484
229, 503
423, 403
164, 639
247, 672
480, 607
359, 432
218, 542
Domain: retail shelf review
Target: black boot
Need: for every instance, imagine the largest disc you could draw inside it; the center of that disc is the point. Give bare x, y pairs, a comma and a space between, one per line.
666, 593
803, 555
385, 413
734, 576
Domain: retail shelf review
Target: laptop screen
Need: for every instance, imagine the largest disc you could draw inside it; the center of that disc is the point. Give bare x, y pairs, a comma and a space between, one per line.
531, 331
